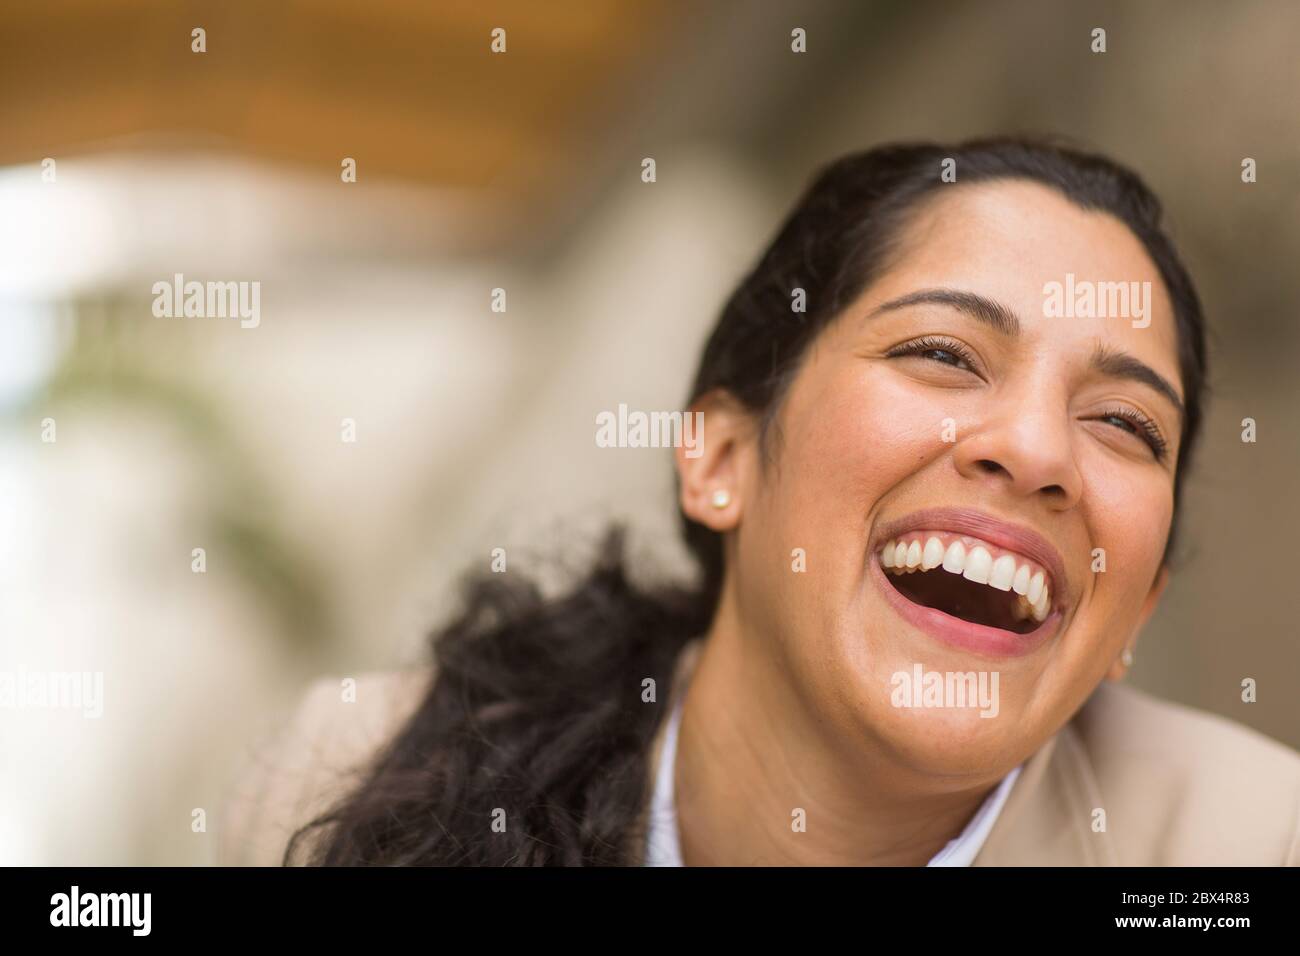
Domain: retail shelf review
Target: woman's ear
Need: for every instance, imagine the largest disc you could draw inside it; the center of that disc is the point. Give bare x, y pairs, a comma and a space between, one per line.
714, 470
1120, 667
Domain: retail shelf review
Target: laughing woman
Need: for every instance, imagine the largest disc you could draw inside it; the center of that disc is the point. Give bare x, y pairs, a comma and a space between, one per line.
903, 648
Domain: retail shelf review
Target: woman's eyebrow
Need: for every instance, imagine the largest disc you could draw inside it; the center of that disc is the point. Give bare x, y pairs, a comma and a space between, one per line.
991, 313
1105, 360
1117, 364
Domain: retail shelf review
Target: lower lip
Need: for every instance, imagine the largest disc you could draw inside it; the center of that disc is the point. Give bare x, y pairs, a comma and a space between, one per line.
977, 638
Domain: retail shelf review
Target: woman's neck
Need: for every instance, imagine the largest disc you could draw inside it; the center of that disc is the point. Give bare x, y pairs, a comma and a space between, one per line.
751, 756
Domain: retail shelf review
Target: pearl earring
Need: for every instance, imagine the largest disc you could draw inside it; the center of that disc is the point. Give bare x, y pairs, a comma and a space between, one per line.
721, 498
1127, 657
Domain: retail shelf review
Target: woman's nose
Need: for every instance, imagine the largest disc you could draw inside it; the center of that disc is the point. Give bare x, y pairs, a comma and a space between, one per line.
1028, 449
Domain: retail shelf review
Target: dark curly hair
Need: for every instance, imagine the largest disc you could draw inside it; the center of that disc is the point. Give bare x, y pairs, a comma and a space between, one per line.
535, 705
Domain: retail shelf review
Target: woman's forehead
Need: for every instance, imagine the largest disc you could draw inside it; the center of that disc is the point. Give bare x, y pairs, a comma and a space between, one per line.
1066, 272
1024, 231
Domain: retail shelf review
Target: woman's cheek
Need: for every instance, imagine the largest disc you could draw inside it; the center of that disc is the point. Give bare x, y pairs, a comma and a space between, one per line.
902, 424
1129, 510
863, 434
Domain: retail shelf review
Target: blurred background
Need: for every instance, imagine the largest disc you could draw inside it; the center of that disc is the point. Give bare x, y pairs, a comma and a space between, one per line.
474, 427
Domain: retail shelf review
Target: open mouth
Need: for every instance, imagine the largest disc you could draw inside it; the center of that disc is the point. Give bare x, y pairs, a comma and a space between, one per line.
969, 579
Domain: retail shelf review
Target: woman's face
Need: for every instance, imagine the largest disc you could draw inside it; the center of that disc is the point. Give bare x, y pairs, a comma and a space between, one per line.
947, 409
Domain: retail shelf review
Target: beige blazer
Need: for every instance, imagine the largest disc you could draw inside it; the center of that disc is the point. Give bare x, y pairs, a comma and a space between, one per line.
1180, 787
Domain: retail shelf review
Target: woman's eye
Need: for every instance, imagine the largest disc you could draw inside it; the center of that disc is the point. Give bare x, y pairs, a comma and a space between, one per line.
935, 350
943, 355
1145, 430
1123, 423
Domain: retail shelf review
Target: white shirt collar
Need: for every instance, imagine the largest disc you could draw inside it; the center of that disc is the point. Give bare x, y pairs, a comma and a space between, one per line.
663, 848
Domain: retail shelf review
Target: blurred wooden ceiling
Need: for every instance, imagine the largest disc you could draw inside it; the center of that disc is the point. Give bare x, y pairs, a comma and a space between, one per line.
520, 146
409, 88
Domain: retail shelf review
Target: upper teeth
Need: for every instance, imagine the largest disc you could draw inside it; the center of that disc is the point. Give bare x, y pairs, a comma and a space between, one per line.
1006, 572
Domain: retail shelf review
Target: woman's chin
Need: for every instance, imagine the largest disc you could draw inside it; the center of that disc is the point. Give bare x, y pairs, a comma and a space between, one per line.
953, 742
